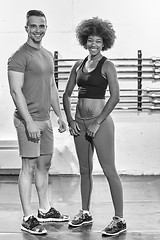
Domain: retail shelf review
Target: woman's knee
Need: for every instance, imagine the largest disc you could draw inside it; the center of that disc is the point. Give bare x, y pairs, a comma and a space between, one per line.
110, 173
85, 170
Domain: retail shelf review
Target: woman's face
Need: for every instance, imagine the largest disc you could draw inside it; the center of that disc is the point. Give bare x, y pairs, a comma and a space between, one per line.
94, 44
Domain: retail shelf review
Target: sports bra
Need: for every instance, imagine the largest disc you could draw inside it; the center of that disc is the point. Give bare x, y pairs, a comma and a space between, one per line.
91, 84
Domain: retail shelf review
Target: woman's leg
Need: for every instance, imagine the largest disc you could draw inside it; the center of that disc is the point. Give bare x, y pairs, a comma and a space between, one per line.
104, 144
84, 149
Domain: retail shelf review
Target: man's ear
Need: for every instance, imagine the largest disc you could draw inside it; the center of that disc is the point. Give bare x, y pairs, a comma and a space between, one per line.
26, 28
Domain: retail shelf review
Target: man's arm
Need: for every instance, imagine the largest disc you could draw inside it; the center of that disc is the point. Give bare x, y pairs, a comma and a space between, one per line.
56, 106
16, 80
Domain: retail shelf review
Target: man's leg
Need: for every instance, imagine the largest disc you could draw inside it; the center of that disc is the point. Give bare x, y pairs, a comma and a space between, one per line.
29, 150
41, 180
30, 223
46, 213
25, 184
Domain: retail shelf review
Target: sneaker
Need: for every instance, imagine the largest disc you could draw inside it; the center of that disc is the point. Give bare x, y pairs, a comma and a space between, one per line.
81, 219
52, 216
116, 227
33, 226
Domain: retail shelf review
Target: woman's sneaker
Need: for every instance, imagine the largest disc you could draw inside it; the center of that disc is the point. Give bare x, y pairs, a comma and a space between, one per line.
82, 218
33, 226
117, 226
52, 216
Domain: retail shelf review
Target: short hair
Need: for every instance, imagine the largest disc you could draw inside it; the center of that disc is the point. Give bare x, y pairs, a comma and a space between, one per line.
36, 13
96, 27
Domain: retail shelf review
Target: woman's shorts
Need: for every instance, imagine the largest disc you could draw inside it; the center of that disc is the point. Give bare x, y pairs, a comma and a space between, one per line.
27, 147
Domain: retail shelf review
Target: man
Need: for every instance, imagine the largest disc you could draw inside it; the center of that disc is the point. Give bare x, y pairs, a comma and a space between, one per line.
34, 92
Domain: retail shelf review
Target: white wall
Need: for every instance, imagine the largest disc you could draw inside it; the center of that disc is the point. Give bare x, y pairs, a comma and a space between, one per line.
137, 27
137, 138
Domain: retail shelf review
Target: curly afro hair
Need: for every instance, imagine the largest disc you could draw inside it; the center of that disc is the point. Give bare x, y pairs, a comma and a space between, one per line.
96, 27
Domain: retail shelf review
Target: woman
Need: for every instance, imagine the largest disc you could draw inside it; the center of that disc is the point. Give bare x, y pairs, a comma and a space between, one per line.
93, 127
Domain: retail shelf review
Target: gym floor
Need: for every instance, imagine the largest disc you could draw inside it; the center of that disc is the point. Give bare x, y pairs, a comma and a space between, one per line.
141, 208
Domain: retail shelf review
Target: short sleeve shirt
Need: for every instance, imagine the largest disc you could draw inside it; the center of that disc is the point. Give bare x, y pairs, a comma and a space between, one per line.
37, 66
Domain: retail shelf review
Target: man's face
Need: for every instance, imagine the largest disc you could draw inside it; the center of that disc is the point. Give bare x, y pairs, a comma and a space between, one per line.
36, 29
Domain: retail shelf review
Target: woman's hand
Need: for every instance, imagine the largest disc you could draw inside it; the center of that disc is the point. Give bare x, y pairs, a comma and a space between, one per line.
74, 128
92, 129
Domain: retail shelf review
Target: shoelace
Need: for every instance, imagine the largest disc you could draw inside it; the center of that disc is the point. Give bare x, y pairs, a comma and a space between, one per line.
33, 222
79, 215
54, 211
113, 224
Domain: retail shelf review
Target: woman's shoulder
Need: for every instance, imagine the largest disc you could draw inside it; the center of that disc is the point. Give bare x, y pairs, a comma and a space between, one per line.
108, 64
108, 67
78, 64
80, 61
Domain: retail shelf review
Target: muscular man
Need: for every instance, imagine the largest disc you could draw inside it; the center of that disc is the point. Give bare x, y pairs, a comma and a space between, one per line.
34, 92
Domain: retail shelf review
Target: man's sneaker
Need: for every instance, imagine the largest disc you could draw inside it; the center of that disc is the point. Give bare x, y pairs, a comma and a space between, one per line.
81, 219
33, 226
52, 216
116, 227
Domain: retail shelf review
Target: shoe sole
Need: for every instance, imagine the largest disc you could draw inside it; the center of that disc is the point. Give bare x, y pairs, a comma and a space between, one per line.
115, 234
32, 232
84, 223
43, 220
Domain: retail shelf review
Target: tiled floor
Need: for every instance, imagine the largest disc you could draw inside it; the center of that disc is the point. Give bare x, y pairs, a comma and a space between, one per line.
141, 208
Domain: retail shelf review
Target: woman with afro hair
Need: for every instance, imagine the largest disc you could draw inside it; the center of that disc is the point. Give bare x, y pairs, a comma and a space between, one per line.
93, 127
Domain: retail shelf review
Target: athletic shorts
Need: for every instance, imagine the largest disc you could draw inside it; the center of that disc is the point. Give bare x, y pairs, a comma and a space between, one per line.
27, 147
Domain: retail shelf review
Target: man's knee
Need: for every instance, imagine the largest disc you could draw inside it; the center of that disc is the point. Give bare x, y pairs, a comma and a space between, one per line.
44, 163
29, 165
47, 166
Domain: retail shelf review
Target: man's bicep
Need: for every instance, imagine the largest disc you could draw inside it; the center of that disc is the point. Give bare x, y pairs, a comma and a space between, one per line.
16, 80
53, 81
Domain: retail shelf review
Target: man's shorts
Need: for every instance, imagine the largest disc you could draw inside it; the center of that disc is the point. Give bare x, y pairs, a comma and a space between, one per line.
27, 147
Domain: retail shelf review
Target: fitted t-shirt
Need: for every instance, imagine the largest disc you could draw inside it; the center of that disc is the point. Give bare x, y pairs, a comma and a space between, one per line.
37, 66
91, 84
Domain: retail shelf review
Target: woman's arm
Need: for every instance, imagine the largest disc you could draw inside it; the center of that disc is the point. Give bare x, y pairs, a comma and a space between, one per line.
66, 99
68, 92
111, 75
110, 72
56, 106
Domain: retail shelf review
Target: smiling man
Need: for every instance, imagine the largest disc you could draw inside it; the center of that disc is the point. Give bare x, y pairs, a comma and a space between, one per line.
34, 92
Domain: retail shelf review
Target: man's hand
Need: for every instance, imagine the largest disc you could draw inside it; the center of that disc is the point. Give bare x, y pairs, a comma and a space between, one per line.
62, 125
33, 131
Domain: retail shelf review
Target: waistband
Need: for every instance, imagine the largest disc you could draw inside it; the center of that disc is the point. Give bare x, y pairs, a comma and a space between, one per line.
82, 120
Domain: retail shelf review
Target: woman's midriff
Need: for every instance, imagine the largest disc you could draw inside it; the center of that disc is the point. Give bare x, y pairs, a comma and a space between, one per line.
89, 108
